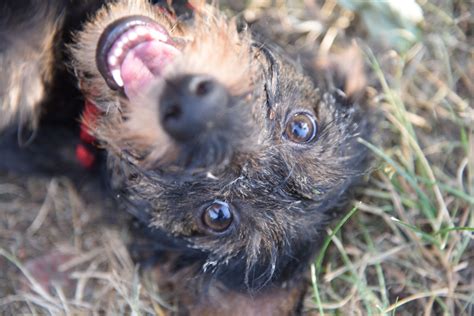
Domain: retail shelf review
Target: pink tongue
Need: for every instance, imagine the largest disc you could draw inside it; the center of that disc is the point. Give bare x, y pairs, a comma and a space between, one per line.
143, 63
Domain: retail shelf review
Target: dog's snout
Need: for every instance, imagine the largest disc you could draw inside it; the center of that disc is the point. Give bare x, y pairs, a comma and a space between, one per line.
191, 106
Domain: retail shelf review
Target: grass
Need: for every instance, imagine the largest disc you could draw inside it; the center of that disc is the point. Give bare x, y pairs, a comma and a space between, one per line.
409, 250
405, 246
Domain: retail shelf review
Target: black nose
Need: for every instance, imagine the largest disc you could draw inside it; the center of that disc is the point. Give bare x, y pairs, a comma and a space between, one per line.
191, 106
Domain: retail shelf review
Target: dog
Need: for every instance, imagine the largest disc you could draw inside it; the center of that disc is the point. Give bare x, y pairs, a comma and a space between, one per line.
227, 153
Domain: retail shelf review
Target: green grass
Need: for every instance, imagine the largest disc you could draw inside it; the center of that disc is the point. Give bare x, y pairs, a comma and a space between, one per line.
418, 201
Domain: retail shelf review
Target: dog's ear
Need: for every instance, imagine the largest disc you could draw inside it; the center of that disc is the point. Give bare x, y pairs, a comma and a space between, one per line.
197, 5
343, 69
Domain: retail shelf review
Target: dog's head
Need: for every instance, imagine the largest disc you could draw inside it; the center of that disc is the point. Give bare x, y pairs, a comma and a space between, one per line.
227, 146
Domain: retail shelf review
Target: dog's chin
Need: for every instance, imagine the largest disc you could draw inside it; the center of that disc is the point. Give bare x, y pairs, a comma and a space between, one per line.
133, 52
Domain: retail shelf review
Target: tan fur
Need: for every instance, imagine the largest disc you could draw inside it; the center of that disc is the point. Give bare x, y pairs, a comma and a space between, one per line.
232, 64
216, 49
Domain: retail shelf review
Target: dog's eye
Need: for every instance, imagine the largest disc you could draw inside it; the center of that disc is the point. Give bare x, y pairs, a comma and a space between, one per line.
301, 128
217, 217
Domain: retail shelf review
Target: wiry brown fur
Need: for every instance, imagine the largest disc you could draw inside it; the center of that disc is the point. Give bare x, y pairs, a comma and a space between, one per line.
284, 193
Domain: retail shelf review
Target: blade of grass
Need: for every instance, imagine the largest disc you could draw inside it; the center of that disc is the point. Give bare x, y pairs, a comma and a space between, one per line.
328, 238
443, 210
366, 295
417, 296
451, 229
408, 177
316, 268
407, 130
34, 284
424, 235
378, 267
456, 192
314, 282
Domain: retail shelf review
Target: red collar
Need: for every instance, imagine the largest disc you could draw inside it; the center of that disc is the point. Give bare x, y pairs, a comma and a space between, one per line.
86, 151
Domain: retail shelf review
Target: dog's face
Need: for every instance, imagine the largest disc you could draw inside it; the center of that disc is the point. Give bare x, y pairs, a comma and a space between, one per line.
226, 145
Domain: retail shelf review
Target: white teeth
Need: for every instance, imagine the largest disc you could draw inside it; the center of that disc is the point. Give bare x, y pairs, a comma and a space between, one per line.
113, 60
140, 30
122, 42
118, 51
132, 35
117, 75
158, 36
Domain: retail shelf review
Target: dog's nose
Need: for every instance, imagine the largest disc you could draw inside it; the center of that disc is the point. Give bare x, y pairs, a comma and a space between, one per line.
191, 106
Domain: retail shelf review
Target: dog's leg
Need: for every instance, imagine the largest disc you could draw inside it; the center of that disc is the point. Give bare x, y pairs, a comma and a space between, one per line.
28, 30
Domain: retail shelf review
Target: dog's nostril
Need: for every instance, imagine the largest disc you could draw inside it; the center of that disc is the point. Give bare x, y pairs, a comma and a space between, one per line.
192, 107
203, 88
174, 112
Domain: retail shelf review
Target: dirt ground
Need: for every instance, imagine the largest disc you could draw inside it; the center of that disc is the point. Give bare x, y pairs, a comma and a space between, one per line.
407, 247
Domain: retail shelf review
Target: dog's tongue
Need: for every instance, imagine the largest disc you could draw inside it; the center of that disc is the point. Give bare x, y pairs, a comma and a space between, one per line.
143, 63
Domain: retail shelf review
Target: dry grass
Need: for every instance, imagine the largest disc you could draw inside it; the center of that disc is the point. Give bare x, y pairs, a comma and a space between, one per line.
406, 247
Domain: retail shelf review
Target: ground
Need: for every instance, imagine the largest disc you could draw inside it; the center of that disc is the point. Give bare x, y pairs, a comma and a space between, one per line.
406, 245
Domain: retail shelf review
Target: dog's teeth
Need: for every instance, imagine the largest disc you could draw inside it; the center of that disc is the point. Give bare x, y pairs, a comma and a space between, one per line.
112, 60
158, 36
122, 42
140, 30
117, 75
132, 35
118, 51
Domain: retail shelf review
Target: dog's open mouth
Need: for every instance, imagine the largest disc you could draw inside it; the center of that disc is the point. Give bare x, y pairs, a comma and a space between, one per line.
132, 51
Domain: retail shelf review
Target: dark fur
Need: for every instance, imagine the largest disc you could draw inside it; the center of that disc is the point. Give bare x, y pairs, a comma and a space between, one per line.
284, 194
